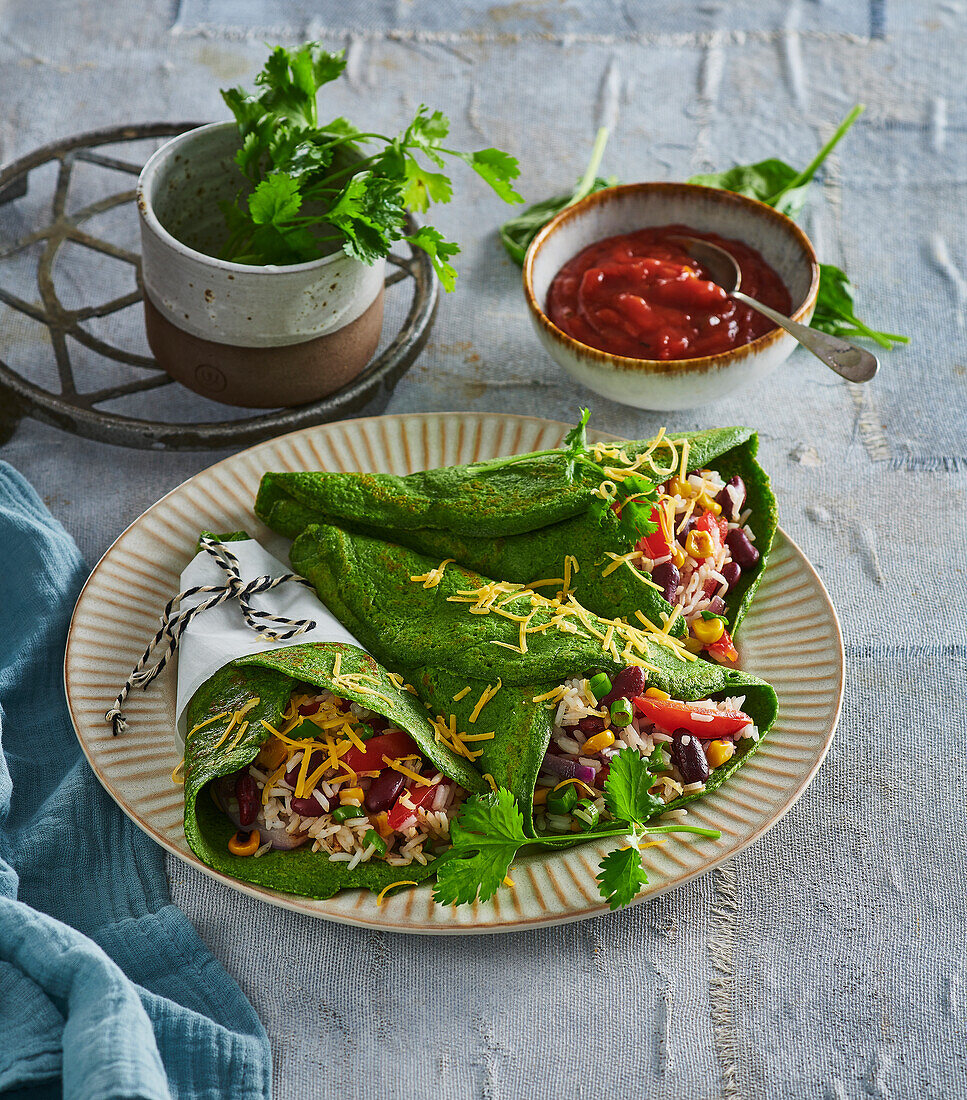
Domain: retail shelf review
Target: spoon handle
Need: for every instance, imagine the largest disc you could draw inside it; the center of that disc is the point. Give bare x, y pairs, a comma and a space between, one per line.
853, 363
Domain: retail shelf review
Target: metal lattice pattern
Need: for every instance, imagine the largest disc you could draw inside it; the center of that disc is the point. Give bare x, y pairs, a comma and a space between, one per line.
77, 409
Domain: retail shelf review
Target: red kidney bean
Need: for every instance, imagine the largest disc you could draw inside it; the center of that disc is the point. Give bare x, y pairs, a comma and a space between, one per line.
742, 550
732, 507
247, 794
667, 577
307, 807
716, 605
629, 683
384, 790
377, 723
683, 534
688, 756
731, 571
591, 724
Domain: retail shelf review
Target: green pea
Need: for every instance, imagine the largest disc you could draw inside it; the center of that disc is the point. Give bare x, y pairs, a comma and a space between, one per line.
586, 813
562, 801
373, 837
621, 713
344, 813
600, 685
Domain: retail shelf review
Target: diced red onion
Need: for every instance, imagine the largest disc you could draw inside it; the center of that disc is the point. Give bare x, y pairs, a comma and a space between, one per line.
567, 768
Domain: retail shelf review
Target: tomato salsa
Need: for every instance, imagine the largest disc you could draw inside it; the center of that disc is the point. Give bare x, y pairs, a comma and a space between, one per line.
642, 296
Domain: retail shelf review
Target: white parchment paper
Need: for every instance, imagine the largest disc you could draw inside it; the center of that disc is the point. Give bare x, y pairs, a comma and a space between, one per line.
219, 635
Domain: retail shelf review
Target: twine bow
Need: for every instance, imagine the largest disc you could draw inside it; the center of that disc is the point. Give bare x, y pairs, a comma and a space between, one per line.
275, 628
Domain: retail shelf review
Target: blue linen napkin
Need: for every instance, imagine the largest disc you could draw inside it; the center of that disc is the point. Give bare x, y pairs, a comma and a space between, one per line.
106, 990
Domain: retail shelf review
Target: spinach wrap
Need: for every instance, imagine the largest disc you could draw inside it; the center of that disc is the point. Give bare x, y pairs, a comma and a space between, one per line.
312, 768
529, 682
538, 520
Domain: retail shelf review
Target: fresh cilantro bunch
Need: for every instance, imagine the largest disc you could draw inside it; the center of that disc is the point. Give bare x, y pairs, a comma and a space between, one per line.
313, 186
770, 181
488, 832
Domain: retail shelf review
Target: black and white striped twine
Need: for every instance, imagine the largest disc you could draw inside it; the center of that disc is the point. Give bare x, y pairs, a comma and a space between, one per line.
275, 628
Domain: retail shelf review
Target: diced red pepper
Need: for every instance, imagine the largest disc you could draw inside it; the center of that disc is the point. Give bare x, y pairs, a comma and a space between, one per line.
673, 714
415, 795
393, 744
654, 545
724, 649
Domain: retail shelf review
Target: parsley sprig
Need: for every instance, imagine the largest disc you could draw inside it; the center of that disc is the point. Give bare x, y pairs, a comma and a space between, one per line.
488, 832
313, 187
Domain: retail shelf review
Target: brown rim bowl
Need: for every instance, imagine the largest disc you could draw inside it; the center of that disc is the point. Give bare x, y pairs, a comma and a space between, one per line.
673, 383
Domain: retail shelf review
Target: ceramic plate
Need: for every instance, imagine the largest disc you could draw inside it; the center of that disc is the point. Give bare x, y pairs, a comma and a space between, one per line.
791, 638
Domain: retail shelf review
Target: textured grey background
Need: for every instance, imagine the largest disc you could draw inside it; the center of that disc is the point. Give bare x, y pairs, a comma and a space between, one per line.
828, 960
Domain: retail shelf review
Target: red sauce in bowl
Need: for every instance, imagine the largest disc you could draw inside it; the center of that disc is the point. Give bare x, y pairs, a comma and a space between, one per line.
642, 296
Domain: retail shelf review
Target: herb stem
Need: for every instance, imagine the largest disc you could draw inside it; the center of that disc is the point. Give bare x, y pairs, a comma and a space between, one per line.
810, 170
591, 172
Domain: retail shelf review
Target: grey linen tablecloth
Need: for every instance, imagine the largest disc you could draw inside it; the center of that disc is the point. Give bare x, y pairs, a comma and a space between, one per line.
828, 960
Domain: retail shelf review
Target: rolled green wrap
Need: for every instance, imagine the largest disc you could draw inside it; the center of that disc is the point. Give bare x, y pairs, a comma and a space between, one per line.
433, 639
519, 522
270, 677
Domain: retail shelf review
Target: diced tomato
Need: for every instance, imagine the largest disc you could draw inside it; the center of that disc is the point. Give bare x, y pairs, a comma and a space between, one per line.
393, 744
717, 528
415, 795
724, 649
673, 714
654, 545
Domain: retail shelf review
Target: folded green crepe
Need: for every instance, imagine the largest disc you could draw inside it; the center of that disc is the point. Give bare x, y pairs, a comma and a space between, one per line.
520, 522
208, 754
425, 630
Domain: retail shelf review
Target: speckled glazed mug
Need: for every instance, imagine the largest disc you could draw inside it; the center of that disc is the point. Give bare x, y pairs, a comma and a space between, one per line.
261, 337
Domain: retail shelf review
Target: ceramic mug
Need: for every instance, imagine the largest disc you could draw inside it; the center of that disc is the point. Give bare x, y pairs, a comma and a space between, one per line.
260, 337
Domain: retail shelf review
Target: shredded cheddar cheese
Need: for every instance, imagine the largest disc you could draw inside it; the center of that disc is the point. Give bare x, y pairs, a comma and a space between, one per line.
432, 578
207, 722
462, 694
392, 886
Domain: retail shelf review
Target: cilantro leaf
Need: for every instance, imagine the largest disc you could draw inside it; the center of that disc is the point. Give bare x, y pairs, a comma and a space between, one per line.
424, 187
621, 876
496, 168
276, 199
426, 132
517, 233
439, 250
370, 214
656, 761
485, 836
626, 790
576, 442
835, 314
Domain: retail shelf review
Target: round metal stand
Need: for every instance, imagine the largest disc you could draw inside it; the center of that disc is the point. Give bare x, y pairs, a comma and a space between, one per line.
29, 289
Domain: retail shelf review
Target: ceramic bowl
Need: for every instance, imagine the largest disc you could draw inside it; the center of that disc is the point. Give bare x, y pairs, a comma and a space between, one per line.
674, 383
260, 337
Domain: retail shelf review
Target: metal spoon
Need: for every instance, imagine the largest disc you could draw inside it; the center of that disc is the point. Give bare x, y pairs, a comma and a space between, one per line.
853, 363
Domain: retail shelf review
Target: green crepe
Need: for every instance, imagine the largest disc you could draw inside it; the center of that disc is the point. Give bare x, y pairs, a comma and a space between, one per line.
519, 522
271, 676
440, 647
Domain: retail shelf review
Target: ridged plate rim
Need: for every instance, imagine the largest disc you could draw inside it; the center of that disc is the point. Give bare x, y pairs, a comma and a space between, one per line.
117, 609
